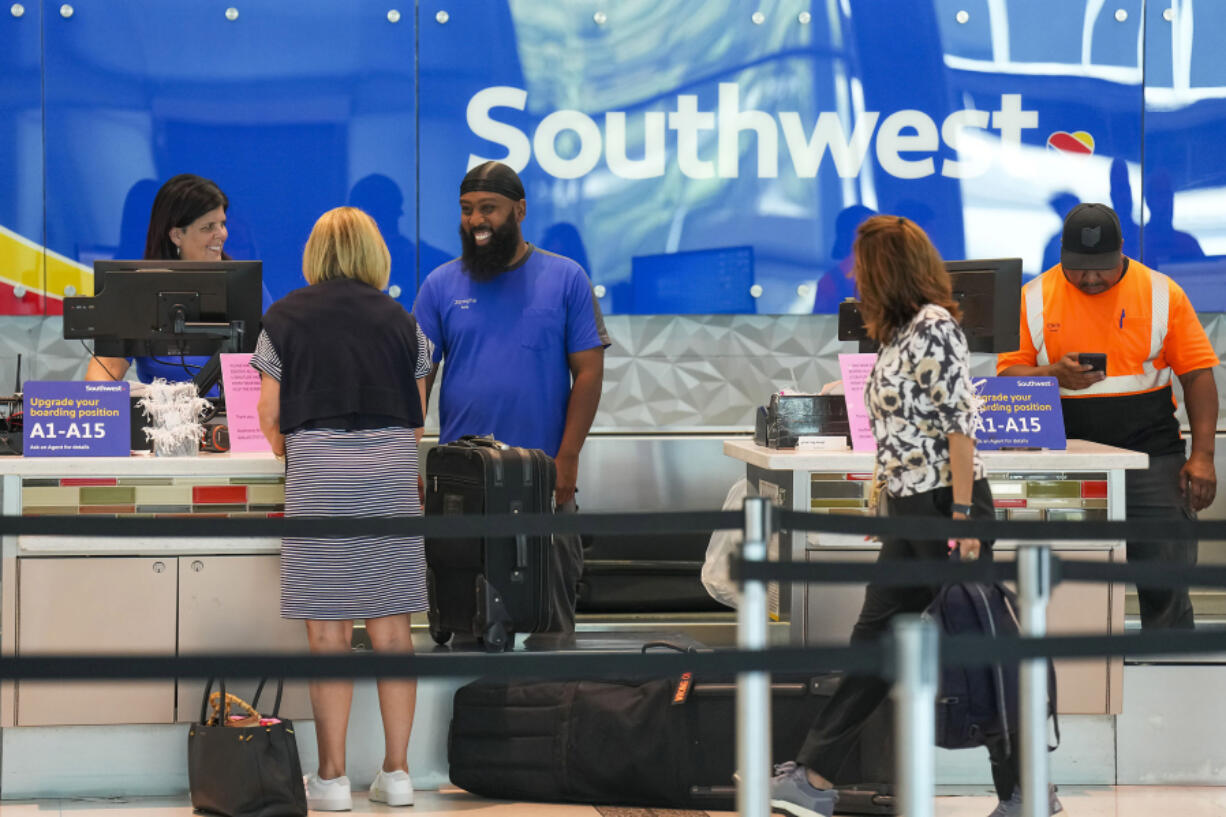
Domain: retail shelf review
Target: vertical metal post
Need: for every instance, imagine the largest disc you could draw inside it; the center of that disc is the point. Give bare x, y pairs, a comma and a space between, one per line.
753, 689
915, 691
1034, 589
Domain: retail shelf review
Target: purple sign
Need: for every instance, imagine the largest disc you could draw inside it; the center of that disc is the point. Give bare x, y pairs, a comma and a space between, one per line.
1019, 412
76, 419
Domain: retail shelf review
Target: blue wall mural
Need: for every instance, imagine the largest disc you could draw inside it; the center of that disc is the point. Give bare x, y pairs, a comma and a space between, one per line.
694, 155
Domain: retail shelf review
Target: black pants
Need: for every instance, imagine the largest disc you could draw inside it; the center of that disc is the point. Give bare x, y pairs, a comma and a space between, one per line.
835, 732
566, 568
1154, 494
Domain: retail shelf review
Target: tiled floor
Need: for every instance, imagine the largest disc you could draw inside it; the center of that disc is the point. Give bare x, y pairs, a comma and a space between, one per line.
1124, 801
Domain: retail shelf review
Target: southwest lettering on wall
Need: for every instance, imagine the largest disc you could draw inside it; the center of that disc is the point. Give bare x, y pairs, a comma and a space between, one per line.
908, 131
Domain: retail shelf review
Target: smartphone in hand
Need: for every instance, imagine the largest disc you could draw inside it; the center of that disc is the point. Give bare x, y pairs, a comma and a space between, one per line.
1097, 361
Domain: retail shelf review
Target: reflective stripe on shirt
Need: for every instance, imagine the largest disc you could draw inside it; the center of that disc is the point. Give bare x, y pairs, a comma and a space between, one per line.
1151, 377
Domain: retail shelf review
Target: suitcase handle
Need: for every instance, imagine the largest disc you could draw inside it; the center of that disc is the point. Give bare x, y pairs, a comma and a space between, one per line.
521, 546
479, 441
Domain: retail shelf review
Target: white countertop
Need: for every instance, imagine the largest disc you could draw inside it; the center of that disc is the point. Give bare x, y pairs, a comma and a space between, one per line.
1081, 455
145, 465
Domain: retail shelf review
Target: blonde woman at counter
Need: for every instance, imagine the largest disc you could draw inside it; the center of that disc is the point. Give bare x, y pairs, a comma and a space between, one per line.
342, 398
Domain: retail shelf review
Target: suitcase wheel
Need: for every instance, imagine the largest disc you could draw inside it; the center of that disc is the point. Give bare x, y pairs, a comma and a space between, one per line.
496, 638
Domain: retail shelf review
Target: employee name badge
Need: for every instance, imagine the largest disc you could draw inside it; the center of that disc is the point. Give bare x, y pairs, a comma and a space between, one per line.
76, 419
1019, 412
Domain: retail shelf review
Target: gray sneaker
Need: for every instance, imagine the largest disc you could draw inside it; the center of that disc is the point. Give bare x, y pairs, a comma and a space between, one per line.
1013, 806
792, 793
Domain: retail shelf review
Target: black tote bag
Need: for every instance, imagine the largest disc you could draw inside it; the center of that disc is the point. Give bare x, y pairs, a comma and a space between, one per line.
244, 771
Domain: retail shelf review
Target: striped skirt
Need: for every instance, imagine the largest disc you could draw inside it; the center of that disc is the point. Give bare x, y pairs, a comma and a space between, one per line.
352, 473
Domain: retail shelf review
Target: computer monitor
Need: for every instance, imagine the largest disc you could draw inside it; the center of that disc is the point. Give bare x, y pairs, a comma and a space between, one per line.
989, 293
170, 308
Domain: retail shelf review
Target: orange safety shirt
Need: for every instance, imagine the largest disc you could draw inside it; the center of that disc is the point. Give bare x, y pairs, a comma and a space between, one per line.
1146, 326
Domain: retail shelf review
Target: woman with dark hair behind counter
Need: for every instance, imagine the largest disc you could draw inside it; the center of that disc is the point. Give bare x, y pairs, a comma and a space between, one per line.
187, 223
923, 408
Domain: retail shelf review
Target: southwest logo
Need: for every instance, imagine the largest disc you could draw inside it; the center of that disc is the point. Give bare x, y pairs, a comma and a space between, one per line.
1076, 142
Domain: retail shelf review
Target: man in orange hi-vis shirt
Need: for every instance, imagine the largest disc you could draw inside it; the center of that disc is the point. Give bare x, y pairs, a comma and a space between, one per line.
1097, 300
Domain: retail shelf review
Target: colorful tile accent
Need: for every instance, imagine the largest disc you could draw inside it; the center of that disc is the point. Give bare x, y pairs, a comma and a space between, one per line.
1007, 488
1016, 496
107, 510
219, 495
50, 510
218, 510
1094, 489
108, 495
273, 494
50, 496
836, 503
837, 490
163, 495
1052, 489
153, 496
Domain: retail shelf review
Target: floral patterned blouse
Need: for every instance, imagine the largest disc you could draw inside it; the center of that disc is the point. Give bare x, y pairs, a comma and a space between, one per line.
918, 393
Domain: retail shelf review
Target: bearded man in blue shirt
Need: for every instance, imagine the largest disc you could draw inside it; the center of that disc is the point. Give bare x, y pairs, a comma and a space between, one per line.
518, 331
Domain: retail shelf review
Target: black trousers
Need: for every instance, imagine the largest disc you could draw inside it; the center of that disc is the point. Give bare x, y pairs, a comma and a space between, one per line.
566, 568
835, 732
1154, 494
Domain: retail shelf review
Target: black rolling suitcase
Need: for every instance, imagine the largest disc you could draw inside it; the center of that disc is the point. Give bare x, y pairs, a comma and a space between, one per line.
656, 743
490, 587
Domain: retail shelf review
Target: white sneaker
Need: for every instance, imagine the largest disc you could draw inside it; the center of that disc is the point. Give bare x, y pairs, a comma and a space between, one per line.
328, 795
394, 788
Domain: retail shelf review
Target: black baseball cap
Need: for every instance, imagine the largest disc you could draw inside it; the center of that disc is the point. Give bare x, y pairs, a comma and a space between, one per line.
1092, 238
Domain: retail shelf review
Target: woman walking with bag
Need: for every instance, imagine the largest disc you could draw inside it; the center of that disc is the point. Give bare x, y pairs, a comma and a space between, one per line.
923, 409
342, 396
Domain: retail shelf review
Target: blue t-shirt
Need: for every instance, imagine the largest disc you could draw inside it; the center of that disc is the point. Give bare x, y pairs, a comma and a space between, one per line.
172, 368
505, 344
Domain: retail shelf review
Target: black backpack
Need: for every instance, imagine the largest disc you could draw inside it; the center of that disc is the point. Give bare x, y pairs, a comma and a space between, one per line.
975, 704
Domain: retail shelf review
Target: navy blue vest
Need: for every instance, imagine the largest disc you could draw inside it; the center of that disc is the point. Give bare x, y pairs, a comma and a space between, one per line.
348, 355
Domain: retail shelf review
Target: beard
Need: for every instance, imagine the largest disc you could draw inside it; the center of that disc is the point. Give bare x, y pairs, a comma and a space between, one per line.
484, 263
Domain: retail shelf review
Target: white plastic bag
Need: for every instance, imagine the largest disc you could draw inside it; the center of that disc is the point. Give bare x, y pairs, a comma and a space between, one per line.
723, 544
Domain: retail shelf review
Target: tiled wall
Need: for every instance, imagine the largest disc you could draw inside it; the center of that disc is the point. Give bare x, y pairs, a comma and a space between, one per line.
662, 373
155, 496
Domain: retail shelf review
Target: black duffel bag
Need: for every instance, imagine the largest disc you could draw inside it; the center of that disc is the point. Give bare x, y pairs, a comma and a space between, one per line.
665, 742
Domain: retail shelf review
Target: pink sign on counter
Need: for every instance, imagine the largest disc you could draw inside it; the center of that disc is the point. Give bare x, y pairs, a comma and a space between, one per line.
855, 370
242, 385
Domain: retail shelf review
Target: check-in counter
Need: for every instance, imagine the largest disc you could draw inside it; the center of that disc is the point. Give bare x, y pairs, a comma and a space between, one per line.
1084, 481
134, 595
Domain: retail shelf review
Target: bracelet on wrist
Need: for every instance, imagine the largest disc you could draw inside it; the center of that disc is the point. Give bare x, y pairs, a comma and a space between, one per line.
958, 507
